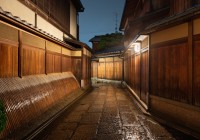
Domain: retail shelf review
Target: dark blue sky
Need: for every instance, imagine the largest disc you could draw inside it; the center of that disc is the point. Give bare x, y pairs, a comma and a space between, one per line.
99, 18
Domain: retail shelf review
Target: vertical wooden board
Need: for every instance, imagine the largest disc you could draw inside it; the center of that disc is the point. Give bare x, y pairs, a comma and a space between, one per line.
84, 66
144, 76
57, 63
76, 68
66, 63
118, 70
94, 69
8, 60
15, 61
169, 72
137, 74
153, 71
126, 70
196, 91
41, 62
109, 70
49, 63
101, 70
32, 61
133, 71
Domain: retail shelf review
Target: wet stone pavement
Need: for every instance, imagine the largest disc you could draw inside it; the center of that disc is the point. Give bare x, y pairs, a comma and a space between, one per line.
106, 113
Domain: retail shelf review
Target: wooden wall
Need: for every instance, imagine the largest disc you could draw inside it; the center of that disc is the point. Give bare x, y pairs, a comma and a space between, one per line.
94, 66
108, 68
178, 6
37, 73
8, 51
136, 70
23, 54
86, 67
174, 77
174, 66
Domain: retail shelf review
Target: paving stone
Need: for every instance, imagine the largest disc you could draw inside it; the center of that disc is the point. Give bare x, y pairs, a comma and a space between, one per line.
128, 119
72, 118
110, 118
156, 130
96, 108
125, 108
82, 107
87, 128
111, 110
60, 135
109, 128
83, 136
99, 102
109, 137
91, 118
108, 113
67, 126
76, 113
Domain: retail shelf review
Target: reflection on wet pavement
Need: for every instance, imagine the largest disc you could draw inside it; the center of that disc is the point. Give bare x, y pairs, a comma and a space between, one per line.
107, 113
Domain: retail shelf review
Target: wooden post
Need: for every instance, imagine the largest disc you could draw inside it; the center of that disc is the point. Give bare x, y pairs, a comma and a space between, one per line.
61, 60
45, 60
190, 59
20, 54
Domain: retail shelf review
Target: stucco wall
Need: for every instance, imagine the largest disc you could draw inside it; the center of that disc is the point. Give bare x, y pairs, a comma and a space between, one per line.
49, 28
73, 22
18, 9
172, 33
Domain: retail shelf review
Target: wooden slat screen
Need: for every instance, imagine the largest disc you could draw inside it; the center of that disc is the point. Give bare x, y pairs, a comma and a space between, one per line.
32, 54
8, 60
58, 10
196, 91
8, 51
33, 61
76, 67
168, 65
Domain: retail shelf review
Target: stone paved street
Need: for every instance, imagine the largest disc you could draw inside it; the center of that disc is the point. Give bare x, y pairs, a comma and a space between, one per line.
106, 113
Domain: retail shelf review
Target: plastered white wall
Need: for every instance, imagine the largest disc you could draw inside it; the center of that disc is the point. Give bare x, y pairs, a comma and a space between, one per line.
73, 22
18, 9
49, 28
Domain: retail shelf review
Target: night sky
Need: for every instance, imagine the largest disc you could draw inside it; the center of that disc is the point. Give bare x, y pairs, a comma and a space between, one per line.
99, 18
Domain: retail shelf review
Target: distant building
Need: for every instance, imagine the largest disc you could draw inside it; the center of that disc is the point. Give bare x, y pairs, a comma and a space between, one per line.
106, 63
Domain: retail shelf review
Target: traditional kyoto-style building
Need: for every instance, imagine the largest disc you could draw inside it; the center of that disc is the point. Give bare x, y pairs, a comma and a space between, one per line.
42, 61
106, 62
161, 59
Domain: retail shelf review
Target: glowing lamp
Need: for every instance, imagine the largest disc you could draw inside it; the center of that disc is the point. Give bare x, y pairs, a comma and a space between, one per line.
137, 47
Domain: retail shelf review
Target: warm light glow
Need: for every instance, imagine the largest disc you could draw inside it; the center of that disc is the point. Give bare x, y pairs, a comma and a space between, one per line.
137, 47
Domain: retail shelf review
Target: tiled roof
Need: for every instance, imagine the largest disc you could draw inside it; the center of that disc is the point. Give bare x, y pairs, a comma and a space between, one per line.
111, 50
95, 39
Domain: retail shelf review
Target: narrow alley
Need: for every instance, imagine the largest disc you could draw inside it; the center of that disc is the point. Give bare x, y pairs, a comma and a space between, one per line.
103, 69
107, 112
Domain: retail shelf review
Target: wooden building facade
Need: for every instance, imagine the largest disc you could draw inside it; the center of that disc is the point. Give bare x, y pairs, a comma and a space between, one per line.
41, 64
109, 68
106, 63
162, 57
